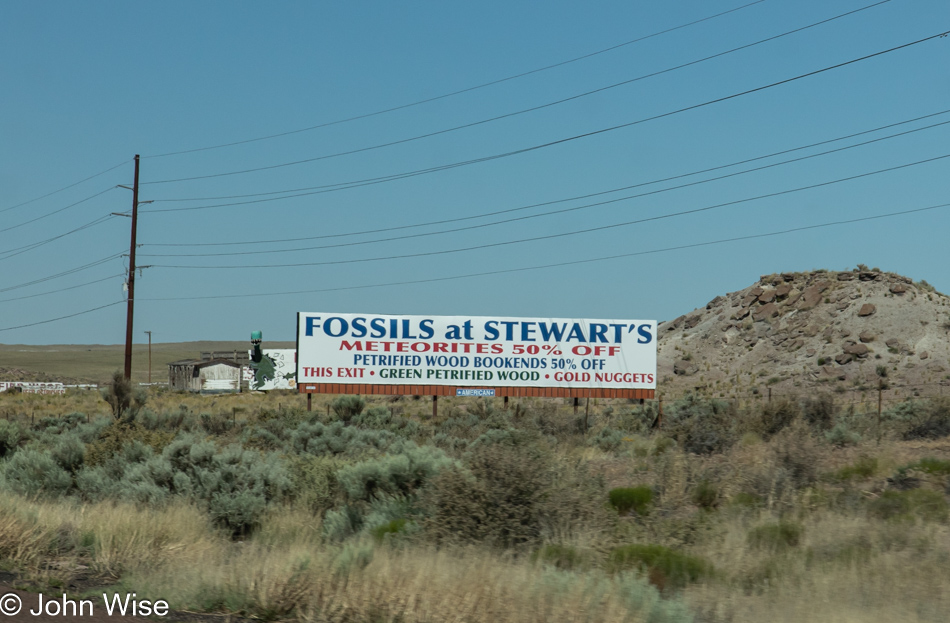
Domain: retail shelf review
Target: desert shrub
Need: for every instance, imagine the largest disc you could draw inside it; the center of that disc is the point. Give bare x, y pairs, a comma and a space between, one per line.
796, 451
922, 503
69, 452
125, 401
705, 495
701, 426
499, 500
864, 467
559, 556
463, 425
54, 425
393, 475
747, 500
381, 418
177, 420
666, 568
930, 465
32, 472
382, 490
215, 423
336, 439
117, 435
348, 407
776, 537
261, 438
607, 439
819, 411
776, 416
448, 443
233, 484
314, 480
389, 530
849, 551
920, 419
507, 437
639, 419
841, 436
636, 499
11, 434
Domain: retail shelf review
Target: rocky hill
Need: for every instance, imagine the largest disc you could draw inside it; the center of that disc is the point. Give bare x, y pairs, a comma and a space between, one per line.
795, 332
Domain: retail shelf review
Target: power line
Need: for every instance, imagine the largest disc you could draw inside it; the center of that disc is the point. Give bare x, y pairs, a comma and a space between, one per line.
33, 324
535, 108
65, 272
558, 264
59, 190
573, 232
551, 143
48, 214
555, 201
549, 212
57, 291
465, 90
29, 247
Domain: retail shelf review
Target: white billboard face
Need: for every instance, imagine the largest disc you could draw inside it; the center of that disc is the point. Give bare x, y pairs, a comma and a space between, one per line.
276, 370
466, 351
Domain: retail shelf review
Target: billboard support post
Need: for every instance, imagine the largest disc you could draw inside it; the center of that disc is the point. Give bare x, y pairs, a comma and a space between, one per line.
435, 406
309, 402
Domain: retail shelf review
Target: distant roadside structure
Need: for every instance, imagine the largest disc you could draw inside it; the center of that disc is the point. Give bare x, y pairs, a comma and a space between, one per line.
205, 376
28, 387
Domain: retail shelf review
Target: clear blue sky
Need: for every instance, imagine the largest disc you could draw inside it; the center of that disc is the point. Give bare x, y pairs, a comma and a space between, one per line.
85, 86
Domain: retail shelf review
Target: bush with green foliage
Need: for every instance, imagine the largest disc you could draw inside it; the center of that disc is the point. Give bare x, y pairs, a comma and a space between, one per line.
348, 407
115, 436
559, 556
381, 490
776, 537
500, 500
607, 439
31, 472
819, 411
841, 436
705, 495
382, 418
11, 434
777, 415
930, 465
125, 401
864, 467
920, 419
636, 499
666, 568
700, 425
337, 439
921, 503
399, 475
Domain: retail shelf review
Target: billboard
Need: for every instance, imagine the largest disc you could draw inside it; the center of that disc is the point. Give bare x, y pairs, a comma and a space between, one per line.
276, 370
477, 356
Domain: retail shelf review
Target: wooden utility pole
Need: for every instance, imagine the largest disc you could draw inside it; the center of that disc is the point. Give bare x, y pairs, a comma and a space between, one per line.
150, 357
131, 281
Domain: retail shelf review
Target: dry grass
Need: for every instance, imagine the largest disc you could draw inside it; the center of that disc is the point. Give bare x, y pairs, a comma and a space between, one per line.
847, 567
